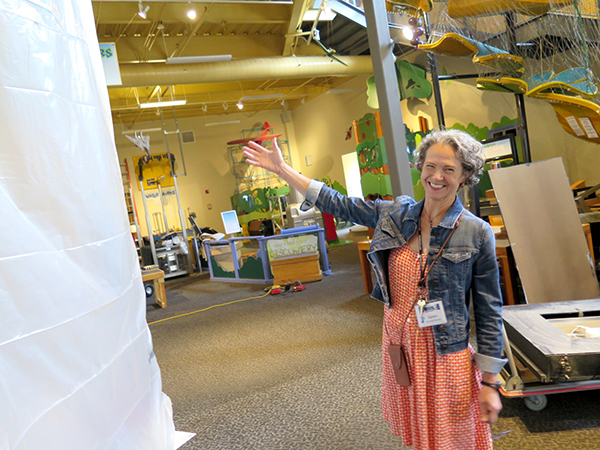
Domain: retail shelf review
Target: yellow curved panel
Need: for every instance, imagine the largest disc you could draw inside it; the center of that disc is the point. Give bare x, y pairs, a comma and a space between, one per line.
505, 62
578, 117
423, 5
458, 9
504, 84
548, 88
450, 44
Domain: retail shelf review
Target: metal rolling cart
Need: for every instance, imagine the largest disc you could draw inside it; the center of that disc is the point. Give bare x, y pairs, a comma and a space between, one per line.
548, 350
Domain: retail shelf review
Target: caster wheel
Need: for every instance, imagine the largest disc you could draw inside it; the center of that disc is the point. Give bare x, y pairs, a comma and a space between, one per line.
149, 290
536, 402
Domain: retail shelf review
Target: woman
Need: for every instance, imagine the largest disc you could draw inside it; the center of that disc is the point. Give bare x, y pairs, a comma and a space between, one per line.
428, 258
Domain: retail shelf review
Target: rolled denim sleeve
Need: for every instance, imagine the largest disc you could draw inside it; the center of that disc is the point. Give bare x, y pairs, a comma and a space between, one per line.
487, 305
310, 198
357, 210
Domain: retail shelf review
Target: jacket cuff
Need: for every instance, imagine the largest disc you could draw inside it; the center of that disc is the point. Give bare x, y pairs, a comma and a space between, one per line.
311, 195
489, 364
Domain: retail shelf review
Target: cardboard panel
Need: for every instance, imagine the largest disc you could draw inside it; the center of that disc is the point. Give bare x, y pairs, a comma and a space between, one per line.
545, 232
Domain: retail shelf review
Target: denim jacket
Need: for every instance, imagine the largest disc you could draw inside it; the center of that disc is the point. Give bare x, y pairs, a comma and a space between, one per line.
467, 263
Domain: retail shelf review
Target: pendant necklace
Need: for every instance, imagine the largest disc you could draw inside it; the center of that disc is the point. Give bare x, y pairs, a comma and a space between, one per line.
429, 218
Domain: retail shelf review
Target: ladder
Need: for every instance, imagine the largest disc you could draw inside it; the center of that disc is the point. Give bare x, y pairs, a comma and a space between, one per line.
130, 204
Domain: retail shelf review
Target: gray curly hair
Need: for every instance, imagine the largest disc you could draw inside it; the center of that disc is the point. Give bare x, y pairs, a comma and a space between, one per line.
468, 150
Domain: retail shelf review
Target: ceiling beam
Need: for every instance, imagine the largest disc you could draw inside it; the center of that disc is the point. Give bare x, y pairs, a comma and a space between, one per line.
295, 25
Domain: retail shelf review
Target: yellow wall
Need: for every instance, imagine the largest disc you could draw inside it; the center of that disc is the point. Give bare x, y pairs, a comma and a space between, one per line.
207, 162
318, 129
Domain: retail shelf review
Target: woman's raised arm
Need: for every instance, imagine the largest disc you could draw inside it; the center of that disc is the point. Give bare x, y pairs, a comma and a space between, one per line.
257, 155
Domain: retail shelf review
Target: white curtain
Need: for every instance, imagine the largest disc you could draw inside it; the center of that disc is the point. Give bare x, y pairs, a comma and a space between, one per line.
77, 369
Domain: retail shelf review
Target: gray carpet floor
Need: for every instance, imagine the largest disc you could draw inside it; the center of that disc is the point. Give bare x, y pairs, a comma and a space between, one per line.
302, 370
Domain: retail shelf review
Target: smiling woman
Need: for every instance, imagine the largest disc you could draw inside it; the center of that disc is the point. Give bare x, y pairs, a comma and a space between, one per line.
429, 257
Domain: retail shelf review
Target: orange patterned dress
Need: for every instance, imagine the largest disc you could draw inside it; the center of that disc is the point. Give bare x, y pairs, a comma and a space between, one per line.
440, 410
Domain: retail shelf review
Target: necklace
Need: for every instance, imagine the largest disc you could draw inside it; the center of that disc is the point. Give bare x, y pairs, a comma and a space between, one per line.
431, 219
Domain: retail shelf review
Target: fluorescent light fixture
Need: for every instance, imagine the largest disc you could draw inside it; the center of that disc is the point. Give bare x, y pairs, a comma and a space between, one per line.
145, 130
142, 11
198, 59
344, 91
214, 124
311, 15
163, 104
261, 97
240, 105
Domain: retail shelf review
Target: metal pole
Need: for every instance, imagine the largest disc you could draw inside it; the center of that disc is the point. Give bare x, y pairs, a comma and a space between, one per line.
435, 81
519, 98
174, 175
150, 233
183, 227
383, 58
162, 205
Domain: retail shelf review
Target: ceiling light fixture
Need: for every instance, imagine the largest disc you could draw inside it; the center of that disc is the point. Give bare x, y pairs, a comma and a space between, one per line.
225, 106
191, 12
198, 59
142, 11
204, 107
145, 130
240, 105
261, 97
163, 104
344, 91
214, 124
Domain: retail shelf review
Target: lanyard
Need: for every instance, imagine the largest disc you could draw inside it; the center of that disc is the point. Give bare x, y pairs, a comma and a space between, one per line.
424, 270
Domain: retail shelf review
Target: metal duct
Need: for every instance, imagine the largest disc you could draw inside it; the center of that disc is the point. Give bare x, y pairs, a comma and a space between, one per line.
243, 70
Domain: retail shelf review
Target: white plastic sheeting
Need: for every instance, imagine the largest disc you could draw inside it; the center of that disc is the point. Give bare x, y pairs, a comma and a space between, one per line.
77, 369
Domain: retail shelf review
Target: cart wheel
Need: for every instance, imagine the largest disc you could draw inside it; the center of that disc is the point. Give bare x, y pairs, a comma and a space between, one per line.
149, 290
536, 402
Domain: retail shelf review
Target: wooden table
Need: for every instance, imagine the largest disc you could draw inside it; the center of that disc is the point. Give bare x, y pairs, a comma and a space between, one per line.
363, 248
157, 277
503, 253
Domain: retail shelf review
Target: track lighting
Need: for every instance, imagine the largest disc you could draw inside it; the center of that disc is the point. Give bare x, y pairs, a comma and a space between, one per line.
204, 107
163, 104
225, 106
191, 12
240, 105
142, 11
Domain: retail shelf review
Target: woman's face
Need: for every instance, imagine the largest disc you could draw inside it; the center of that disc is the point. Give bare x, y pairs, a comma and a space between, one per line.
442, 173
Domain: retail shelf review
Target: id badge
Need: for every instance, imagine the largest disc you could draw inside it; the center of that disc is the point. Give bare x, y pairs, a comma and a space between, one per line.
433, 314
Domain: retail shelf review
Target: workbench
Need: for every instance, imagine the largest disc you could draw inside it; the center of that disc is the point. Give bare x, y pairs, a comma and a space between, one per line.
157, 277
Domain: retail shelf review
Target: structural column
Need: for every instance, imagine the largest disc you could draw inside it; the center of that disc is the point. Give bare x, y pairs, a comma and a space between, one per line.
388, 94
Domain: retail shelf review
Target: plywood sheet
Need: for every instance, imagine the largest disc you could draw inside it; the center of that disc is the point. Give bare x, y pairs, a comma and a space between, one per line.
545, 232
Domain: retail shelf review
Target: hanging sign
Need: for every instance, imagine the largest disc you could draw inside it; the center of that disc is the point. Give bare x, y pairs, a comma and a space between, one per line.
110, 63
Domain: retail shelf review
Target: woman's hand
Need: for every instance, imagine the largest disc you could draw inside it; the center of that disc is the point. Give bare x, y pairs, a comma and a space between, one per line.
257, 155
490, 404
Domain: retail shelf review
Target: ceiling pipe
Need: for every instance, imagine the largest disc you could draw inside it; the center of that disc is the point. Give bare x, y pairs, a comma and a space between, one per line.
243, 70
